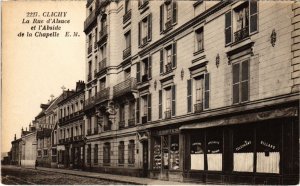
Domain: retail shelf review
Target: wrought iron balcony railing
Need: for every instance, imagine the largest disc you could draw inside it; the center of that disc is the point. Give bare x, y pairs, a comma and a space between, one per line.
125, 87
127, 16
102, 64
90, 19
89, 76
168, 114
168, 24
127, 52
107, 127
103, 32
168, 67
90, 102
102, 95
198, 107
131, 122
121, 124
144, 119
241, 34
78, 138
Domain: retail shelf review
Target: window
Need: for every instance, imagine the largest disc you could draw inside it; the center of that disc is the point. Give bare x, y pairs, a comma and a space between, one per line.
127, 39
168, 58
199, 90
145, 31
96, 37
197, 151
168, 15
199, 39
122, 112
174, 152
45, 152
102, 84
214, 143
131, 152
127, 73
96, 154
121, 149
240, 82
146, 108
106, 153
167, 102
243, 21
103, 52
39, 153
168, 99
89, 154
144, 68
131, 109
90, 70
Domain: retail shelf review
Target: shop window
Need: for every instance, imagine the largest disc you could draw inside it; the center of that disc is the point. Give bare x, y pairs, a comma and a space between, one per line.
214, 144
157, 161
243, 149
197, 151
268, 149
165, 151
240, 73
96, 154
131, 152
174, 153
106, 153
121, 149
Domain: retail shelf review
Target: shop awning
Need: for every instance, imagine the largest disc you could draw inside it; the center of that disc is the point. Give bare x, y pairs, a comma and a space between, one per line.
245, 118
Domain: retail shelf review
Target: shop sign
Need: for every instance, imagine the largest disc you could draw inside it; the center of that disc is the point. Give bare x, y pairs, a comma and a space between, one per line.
245, 144
266, 144
213, 147
166, 131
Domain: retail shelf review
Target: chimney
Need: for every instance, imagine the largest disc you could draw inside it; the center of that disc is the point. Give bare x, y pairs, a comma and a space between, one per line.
15, 137
26, 129
22, 129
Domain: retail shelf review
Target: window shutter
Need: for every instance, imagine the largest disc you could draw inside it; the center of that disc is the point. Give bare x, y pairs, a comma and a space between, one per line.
174, 19
189, 95
206, 90
161, 22
236, 82
160, 105
253, 16
139, 34
138, 72
173, 100
174, 55
149, 27
139, 3
228, 28
161, 60
150, 67
245, 81
149, 107
137, 110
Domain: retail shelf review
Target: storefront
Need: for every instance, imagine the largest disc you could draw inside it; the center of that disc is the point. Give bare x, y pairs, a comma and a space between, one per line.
261, 152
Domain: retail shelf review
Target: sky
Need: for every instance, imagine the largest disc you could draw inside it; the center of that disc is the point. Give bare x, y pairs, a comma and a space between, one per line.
35, 67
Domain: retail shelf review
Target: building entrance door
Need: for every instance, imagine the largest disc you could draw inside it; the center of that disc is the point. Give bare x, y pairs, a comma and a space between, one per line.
145, 158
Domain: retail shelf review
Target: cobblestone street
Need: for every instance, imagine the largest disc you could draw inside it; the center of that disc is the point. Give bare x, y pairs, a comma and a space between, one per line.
20, 176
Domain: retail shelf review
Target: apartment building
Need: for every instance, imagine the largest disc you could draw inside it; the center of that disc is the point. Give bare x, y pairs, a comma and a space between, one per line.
202, 91
68, 136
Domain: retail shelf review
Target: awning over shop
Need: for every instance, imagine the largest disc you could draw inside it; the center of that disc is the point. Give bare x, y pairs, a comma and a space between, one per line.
245, 118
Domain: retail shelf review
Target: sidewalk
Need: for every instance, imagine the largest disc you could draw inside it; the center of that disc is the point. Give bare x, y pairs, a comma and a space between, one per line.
114, 177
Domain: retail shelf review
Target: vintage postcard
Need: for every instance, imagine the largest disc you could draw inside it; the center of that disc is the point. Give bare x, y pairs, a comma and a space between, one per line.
151, 92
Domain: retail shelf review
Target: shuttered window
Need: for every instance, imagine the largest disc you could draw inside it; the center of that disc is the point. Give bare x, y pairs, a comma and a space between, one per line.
138, 72
240, 72
137, 110
206, 90
149, 19
139, 33
149, 107
150, 67
161, 60
168, 15
253, 16
173, 100
160, 104
174, 49
189, 95
161, 18
228, 28
121, 149
174, 8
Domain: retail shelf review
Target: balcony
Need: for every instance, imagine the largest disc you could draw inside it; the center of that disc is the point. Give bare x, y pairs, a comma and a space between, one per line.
96, 130
90, 20
89, 103
78, 138
198, 107
89, 132
145, 78
241, 34
168, 114
90, 49
102, 64
121, 124
102, 34
126, 16
131, 122
144, 119
127, 52
102, 95
125, 87
89, 76
168, 67
168, 24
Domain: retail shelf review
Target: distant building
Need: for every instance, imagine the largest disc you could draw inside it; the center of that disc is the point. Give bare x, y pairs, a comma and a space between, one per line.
16, 151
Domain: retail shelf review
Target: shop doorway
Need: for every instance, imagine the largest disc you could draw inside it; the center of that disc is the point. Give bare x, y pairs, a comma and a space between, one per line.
145, 158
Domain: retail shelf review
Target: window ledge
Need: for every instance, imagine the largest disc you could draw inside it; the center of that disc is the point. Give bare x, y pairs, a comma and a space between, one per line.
198, 52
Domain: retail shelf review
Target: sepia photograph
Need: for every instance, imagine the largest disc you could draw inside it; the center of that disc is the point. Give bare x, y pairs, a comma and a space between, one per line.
150, 92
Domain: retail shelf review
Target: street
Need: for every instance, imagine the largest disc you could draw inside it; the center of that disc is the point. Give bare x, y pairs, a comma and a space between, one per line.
12, 175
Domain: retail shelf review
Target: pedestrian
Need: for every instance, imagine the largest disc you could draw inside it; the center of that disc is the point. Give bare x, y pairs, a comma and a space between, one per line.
36, 164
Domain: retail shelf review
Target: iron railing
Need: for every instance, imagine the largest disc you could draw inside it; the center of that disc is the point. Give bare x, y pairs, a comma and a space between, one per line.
168, 67
198, 107
121, 124
168, 114
241, 34
124, 87
102, 95
127, 16
127, 52
90, 19
131, 122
